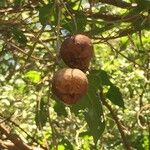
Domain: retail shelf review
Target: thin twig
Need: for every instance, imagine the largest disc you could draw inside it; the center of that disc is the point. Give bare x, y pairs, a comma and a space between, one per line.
71, 15
54, 132
123, 55
34, 44
114, 116
58, 30
15, 124
22, 51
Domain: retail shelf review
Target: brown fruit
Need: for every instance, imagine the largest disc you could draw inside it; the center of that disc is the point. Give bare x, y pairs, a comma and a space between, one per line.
77, 51
69, 85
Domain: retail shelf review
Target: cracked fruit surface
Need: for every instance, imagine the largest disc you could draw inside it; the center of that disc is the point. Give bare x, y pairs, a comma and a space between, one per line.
69, 85
77, 51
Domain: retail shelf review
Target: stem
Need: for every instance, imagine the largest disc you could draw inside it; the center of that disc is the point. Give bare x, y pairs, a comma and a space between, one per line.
114, 116
71, 15
15, 124
34, 45
54, 131
58, 42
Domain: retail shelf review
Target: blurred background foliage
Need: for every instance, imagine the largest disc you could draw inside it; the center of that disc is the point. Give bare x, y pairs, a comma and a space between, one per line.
115, 113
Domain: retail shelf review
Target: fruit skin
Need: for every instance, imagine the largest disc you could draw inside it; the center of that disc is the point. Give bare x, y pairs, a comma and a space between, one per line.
69, 85
77, 51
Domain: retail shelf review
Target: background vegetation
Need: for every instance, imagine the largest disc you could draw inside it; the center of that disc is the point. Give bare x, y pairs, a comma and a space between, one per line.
115, 113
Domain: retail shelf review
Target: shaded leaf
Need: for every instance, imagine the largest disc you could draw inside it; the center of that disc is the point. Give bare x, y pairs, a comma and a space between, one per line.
18, 3
133, 12
60, 109
144, 4
19, 36
80, 20
115, 96
81, 105
41, 114
2, 3
94, 117
67, 144
46, 14
84, 133
101, 77
97, 30
92, 107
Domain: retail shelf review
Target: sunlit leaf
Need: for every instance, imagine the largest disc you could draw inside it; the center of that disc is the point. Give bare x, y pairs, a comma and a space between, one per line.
61, 147
33, 76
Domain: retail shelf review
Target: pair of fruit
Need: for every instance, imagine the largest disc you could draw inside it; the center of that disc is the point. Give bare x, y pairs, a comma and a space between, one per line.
70, 84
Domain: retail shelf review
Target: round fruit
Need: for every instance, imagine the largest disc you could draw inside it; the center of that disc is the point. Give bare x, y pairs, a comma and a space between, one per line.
77, 51
69, 85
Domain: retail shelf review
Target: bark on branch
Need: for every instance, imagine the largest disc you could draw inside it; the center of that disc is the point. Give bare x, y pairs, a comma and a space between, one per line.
118, 3
14, 139
15, 9
113, 18
8, 145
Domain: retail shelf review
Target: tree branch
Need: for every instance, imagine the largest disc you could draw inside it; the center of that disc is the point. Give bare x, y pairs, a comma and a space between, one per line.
15, 124
118, 3
122, 33
8, 145
16, 9
14, 139
118, 123
114, 18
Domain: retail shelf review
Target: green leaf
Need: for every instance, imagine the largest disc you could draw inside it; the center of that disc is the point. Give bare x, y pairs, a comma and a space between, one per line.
60, 109
144, 4
2, 3
97, 30
94, 117
92, 106
84, 133
99, 77
46, 14
133, 12
19, 36
123, 44
41, 114
115, 96
96, 78
80, 20
18, 3
67, 144
81, 105
60, 147
33, 76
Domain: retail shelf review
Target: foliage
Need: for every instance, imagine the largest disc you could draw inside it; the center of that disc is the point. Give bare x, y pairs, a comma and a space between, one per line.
114, 114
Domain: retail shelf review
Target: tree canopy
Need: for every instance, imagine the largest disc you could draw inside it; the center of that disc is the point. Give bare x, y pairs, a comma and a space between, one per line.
114, 114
